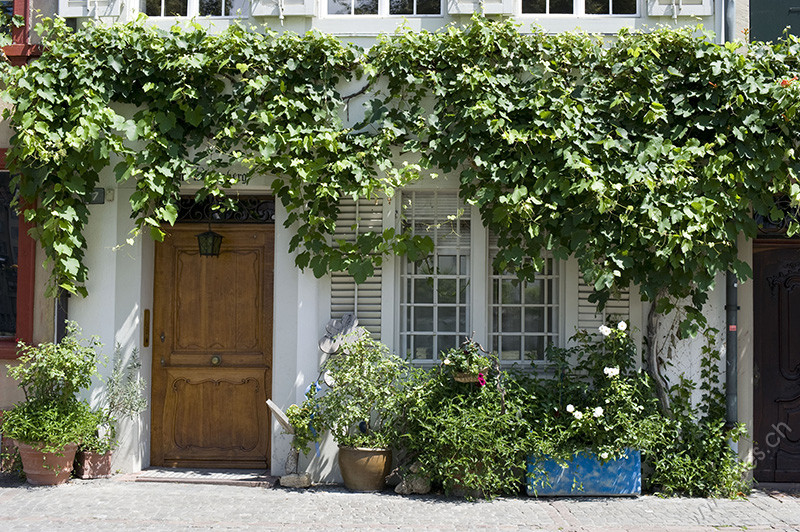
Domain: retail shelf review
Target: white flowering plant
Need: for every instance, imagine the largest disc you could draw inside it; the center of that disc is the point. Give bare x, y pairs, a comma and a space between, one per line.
470, 357
595, 400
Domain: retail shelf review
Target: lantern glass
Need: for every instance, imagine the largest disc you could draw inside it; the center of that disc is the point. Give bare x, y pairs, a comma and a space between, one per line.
209, 243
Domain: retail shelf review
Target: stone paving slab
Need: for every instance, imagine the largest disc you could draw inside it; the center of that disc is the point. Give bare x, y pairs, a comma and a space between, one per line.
123, 505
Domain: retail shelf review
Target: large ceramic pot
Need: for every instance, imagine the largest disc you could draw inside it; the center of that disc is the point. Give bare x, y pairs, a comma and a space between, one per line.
89, 464
46, 469
364, 469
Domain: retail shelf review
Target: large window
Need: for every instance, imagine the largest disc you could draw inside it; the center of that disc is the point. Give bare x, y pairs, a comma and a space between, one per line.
203, 8
439, 294
588, 7
523, 316
17, 252
384, 7
436, 291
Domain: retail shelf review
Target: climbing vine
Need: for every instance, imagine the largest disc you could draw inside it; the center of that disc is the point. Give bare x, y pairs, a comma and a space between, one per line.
645, 157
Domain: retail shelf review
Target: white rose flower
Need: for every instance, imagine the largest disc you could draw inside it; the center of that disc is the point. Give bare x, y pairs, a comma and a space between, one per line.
570, 408
622, 326
605, 330
611, 372
577, 414
598, 412
447, 362
604, 455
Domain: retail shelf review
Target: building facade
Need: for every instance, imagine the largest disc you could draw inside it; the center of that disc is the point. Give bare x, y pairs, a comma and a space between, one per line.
219, 336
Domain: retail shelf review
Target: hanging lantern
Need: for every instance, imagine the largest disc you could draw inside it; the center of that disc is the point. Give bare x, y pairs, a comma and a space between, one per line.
209, 243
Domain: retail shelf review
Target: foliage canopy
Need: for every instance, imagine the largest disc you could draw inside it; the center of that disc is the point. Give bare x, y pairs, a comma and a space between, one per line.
644, 157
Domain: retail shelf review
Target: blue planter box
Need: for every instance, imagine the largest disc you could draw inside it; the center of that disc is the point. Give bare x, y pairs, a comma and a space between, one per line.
585, 475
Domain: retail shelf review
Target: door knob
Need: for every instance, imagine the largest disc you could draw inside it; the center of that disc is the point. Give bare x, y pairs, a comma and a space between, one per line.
215, 360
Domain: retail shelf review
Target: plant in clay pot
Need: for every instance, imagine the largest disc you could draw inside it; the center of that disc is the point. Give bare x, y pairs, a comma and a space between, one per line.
49, 424
124, 398
360, 407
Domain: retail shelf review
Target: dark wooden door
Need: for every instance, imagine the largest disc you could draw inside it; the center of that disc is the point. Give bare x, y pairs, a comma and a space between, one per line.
768, 18
212, 349
776, 371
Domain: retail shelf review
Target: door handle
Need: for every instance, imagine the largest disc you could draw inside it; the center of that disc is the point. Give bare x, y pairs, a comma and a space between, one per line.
216, 360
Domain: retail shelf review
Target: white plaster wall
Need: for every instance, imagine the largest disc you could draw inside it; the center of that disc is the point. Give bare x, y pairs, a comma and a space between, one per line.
684, 355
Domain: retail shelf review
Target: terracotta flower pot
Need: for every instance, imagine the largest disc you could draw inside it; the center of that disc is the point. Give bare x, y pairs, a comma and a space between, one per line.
46, 469
364, 469
89, 464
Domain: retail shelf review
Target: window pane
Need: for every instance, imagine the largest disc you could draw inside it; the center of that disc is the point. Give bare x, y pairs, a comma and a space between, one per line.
597, 7
366, 7
447, 265
9, 249
445, 343
534, 319
448, 291
152, 8
447, 319
235, 8
511, 292
510, 348
175, 8
338, 7
210, 8
534, 6
429, 7
561, 6
6, 12
534, 292
423, 318
534, 347
401, 7
624, 7
423, 290
511, 319
423, 347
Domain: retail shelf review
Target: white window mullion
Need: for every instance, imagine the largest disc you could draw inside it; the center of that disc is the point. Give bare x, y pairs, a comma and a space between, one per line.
579, 7
480, 279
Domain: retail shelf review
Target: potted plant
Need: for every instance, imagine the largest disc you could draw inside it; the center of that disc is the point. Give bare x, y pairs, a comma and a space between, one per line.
468, 363
49, 424
124, 398
360, 407
590, 420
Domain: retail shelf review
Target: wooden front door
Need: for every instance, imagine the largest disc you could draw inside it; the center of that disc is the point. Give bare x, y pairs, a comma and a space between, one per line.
776, 371
212, 349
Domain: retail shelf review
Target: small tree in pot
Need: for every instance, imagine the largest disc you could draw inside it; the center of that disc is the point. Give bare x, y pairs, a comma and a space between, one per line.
124, 398
49, 424
361, 406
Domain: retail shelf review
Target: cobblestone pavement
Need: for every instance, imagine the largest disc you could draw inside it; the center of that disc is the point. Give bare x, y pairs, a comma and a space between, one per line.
120, 505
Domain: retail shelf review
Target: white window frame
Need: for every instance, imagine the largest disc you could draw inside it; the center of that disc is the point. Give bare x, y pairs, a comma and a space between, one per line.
579, 10
193, 11
383, 11
480, 286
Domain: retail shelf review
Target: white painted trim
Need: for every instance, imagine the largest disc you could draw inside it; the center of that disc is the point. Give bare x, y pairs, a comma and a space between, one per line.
479, 277
570, 302
389, 293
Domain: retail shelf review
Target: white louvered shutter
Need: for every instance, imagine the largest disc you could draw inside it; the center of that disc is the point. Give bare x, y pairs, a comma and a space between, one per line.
271, 8
89, 8
364, 300
489, 7
588, 317
680, 8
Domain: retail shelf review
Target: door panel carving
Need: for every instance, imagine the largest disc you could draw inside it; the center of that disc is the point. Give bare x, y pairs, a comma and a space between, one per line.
776, 336
213, 324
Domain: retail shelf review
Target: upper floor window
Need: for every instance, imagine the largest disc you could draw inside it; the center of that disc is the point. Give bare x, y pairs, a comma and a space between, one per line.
587, 7
202, 8
17, 255
384, 7
440, 294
